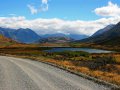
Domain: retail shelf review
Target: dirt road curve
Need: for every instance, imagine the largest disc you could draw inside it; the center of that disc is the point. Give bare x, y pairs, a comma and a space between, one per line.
23, 74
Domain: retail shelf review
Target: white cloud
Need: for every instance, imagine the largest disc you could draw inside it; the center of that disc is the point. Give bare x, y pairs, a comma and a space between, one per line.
109, 10
33, 10
43, 7
49, 26
45, 1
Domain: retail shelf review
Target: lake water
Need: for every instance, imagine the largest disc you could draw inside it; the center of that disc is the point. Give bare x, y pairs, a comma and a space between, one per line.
89, 50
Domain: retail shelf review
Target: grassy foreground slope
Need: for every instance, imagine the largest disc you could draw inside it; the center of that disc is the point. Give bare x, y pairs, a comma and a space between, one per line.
6, 41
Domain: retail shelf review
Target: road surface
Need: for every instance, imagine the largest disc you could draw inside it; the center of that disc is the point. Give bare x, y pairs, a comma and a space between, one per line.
24, 74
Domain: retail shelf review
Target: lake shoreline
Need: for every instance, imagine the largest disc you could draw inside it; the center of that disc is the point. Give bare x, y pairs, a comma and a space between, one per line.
89, 50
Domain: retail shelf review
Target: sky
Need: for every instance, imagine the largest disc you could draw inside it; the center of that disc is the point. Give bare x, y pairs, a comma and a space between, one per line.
59, 16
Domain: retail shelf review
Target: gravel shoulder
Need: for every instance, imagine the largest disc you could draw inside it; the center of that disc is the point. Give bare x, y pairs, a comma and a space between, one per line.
25, 74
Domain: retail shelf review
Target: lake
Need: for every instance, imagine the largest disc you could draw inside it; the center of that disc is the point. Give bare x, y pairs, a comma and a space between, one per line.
89, 50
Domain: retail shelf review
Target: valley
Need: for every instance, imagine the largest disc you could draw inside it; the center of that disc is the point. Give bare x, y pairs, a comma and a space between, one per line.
94, 56
60, 45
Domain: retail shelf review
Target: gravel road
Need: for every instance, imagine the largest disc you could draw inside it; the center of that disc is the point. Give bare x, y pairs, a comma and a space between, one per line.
25, 74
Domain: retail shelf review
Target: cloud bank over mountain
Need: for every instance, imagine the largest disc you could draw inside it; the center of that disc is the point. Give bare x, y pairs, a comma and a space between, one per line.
110, 15
50, 26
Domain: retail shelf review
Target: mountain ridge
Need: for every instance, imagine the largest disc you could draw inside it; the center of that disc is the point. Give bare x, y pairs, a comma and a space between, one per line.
108, 27
55, 39
20, 35
109, 37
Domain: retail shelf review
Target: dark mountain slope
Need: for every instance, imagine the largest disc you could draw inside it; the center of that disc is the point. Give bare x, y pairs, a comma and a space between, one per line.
101, 31
25, 36
110, 37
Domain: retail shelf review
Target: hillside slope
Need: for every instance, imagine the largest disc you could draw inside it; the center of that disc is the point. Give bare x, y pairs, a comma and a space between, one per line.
101, 31
6, 41
110, 37
56, 39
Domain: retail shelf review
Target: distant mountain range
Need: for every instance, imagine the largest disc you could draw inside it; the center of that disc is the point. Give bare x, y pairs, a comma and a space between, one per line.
110, 35
73, 36
61, 38
29, 36
20, 35
55, 39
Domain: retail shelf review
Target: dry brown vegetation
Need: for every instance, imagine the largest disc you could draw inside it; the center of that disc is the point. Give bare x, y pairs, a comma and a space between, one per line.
6, 41
109, 72
98, 46
102, 66
54, 44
